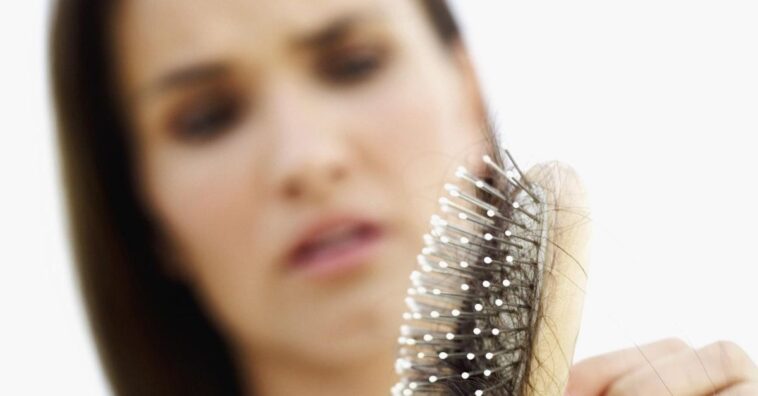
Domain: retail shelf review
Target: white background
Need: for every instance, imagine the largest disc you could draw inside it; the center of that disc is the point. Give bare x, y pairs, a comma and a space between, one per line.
654, 102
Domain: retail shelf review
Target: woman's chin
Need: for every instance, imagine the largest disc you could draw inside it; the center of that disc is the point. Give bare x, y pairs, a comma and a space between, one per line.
360, 338
347, 319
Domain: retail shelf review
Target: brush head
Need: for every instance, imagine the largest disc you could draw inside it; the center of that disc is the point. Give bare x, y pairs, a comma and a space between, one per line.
474, 299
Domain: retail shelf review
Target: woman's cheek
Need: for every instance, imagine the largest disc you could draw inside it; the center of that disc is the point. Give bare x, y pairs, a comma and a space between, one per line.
211, 207
403, 126
200, 196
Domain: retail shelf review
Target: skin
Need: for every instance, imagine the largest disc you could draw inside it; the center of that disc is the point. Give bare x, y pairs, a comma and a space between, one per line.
252, 119
667, 367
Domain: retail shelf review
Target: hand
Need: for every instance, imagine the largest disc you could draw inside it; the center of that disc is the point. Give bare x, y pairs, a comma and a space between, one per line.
668, 367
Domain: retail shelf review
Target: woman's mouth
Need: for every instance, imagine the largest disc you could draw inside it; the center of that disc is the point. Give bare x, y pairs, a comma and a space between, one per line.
335, 246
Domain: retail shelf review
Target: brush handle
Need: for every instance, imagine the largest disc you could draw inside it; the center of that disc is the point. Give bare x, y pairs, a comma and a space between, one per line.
564, 279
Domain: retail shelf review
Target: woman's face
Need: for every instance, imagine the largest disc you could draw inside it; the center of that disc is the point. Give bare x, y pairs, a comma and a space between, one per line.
292, 152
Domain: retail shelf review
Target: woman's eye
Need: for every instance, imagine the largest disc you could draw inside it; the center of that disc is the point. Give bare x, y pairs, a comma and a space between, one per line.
206, 117
351, 66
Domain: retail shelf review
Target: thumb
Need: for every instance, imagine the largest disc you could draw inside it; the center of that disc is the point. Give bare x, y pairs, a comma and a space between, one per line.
564, 278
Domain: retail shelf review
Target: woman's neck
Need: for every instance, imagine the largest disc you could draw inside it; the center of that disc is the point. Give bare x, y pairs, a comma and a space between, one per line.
284, 376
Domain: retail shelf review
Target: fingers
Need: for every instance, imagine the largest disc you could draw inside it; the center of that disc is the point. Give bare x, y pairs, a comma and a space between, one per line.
594, 376
744, 389
564, 278
666, 368
688, 372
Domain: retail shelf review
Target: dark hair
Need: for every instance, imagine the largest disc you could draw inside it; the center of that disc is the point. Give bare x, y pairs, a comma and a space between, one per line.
151, 334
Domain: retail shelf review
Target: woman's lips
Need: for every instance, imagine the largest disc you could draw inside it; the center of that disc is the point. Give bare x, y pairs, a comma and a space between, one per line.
335, 246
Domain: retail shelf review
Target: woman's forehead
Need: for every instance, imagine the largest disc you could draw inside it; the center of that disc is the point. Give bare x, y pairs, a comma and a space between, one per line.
155, 36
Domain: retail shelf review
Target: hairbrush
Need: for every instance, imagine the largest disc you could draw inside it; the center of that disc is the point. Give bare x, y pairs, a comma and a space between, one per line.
474, 299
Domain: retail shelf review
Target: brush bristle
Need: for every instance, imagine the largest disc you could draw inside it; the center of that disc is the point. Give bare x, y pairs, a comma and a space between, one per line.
474, 299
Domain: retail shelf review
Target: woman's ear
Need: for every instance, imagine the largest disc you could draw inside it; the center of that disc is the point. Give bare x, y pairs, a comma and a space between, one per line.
472, 91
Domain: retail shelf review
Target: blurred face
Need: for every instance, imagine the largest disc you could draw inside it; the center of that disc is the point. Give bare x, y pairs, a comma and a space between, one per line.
292, 152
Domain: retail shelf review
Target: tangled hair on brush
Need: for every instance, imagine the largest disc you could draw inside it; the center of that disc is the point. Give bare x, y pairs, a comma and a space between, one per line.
475, 302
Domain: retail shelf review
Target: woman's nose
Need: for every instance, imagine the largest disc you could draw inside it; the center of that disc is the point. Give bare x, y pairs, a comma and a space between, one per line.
312, 157
315, 177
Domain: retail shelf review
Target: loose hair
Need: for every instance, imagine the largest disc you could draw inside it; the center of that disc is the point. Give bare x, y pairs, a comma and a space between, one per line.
152, 336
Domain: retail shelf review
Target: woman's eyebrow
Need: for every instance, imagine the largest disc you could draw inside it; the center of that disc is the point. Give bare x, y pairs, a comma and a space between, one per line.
332, 32
335, 30
191, 74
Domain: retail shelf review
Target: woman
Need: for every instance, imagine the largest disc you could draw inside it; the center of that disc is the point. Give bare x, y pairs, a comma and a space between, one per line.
249, 180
